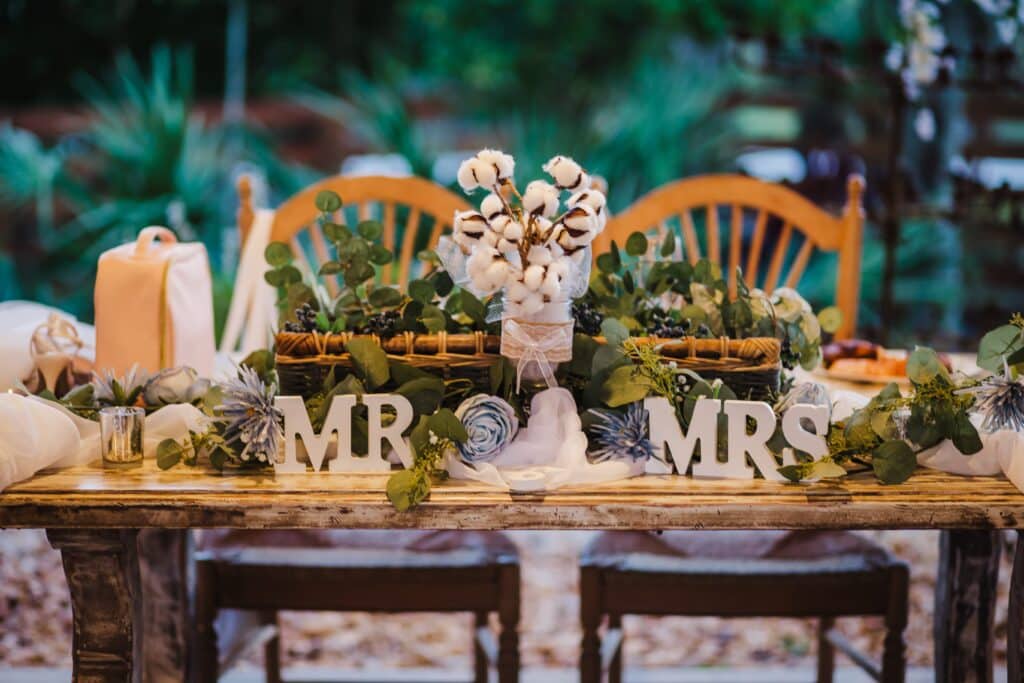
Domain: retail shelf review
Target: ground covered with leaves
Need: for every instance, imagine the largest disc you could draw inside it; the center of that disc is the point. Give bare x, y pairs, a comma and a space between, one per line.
35, 618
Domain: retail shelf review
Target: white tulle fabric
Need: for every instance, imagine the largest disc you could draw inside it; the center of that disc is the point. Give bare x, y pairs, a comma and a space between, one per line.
36, 434
1001, 452
548, 453
18, 320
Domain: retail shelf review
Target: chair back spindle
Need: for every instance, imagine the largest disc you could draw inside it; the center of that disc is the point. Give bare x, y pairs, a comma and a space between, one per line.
804, 229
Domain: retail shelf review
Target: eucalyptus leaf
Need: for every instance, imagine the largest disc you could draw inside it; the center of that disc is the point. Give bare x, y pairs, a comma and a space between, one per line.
380, 255
370, 361
421, 291
473, 307
358, 273
277, 254
965, 436
327, 201
330, 268
385, 297
1004, 341
444, 424
168, 454
893, 462
668, 247
614, 332
636, 244
370, 230
623, 386
407, 488
433, 319
923, 366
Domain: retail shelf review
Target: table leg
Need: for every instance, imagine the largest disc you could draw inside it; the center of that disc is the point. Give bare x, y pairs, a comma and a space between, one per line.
965, 602
102, 571
1015, 618
163, 563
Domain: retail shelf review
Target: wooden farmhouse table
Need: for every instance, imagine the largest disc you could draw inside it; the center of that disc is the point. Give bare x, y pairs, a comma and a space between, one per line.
124, 538
122, 534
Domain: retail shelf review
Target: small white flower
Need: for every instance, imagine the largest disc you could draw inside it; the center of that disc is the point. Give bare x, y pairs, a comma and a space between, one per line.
568, 175
541, 198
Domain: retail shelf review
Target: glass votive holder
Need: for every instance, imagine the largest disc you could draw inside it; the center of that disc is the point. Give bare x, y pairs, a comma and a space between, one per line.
121, 435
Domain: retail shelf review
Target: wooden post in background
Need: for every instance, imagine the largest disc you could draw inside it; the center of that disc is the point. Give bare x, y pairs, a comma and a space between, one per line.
965, 592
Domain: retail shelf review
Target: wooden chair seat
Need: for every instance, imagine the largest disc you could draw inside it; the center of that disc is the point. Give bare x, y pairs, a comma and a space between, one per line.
368, 571
821, 574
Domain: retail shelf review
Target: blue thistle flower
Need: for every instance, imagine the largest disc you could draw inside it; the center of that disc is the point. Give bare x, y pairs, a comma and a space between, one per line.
1000, 400
617, 435
252, 422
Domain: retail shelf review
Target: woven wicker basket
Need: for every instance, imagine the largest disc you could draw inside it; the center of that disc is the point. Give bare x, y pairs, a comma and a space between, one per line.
750, 367
304, 359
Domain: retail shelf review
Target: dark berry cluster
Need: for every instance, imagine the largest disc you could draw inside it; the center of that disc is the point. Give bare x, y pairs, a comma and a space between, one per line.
384, 324
588, 319
305, 317
665, 326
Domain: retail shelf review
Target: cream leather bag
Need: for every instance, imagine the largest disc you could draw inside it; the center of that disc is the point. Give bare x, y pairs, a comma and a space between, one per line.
154, 305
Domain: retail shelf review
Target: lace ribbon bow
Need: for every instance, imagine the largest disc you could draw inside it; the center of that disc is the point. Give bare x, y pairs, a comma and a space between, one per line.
537, 349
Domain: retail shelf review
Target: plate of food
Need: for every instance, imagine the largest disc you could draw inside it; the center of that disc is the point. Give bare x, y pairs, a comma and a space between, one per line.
858, 360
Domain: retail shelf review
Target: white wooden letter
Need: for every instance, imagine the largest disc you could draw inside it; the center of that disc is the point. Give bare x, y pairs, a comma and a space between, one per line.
742, 444
812, 443
667, 436
393, 432
297, 424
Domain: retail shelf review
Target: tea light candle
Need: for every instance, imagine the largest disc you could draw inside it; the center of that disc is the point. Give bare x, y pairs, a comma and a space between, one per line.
121, 435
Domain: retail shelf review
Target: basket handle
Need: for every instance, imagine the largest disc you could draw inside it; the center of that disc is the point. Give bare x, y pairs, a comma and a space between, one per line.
151, 233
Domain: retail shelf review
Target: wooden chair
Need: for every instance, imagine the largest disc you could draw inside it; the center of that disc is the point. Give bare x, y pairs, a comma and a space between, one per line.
796, 574
414, 213
821, 574
392, 571
671, 208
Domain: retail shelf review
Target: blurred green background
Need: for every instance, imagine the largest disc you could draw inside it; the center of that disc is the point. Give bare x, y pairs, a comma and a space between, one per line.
118, 115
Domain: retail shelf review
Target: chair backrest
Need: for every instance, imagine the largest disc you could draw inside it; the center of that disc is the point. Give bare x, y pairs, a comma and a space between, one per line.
414, 213
668, 209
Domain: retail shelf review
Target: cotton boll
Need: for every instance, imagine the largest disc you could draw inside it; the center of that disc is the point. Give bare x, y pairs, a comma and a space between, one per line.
539, 255
559, 267
480, 259
503, 164
492, 206
590, 197
513, 231
533, 276
486, 174
490, 239
466, 177
507, 247
497, 273
541, 198
532, 303
581, 224
552, 285
516, 291
567, 173
467, 228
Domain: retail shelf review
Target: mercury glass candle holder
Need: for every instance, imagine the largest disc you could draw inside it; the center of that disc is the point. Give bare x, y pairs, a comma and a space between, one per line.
121, 431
